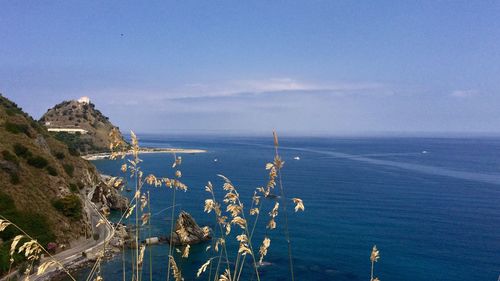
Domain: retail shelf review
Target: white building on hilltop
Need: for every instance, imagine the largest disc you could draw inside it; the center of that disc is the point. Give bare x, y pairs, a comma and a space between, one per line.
84, 100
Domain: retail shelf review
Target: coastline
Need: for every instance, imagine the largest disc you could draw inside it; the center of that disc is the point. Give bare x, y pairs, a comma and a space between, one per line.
106, 155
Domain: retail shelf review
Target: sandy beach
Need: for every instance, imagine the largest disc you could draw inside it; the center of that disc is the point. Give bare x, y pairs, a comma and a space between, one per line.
106, 155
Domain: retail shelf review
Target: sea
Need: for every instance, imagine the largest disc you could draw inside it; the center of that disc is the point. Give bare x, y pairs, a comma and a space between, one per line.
430, 205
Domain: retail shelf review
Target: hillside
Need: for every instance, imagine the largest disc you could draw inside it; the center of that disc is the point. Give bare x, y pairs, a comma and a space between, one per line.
43, 185
80, 125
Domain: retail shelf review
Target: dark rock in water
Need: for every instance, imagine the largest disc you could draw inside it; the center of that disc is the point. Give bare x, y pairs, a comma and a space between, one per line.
188, 232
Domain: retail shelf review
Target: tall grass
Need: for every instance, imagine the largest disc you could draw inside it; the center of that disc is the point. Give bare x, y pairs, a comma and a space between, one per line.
233, 220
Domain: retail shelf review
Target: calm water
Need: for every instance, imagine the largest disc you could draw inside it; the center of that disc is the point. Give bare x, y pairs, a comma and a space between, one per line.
434, 215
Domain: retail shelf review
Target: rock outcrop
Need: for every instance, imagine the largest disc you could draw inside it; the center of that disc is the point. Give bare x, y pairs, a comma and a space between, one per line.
188, 232
108, 195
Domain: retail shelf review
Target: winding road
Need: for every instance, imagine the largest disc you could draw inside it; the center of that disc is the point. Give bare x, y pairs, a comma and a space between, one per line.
89, 246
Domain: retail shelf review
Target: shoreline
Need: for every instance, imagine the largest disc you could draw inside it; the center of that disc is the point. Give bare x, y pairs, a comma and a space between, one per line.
106, 155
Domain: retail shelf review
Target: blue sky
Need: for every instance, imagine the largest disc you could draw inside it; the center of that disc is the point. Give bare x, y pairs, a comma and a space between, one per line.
302, 67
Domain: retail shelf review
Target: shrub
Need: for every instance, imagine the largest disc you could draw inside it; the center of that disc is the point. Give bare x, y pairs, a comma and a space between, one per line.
59, 155
14, 178
70, 206
75, 142
73, 188
11, 111
34, 224
38, 162
36, 126
69, 169
16, 128
52, 171
7, 156
73, 151
22, 151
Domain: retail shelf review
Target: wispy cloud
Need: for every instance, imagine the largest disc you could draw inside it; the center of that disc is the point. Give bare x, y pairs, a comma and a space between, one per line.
283, 90
464, 93
244, 89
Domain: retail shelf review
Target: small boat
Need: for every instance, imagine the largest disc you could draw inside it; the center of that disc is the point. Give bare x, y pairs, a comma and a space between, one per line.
424, 152
264, 263
128, 189
296, 158
215, 160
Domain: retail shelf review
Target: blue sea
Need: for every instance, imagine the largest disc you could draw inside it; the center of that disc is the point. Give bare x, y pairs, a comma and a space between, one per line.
431, 205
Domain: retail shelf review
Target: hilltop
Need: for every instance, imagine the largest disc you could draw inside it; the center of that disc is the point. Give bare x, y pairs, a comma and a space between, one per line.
44, 184
80, 125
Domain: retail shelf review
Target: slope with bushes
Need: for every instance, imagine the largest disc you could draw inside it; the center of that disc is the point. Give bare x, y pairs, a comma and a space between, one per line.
42, 184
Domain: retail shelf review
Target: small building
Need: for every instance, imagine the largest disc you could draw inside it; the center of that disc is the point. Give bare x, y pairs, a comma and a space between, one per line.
68, 130
84, 100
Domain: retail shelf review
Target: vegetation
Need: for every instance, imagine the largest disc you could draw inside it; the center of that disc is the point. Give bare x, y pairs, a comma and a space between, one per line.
38, 162
21, 150
69, 169
219, 266
52, 171
374, 256
73, 152
59, 155
72, 114
17, 128
14, 178
8, 156
77, 143
30, 179
236, 222
12, 171
70, 206
10, 107
34, 224
73, 187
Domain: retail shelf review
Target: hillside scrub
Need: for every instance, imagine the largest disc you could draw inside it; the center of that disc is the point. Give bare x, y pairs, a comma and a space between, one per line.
69, 169
70, 206
8, 156
33, 175
38, 162
51, 170
21, 150
34, 224
16, 128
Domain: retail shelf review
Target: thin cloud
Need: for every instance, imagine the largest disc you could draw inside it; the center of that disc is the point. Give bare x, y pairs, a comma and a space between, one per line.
464, 93
234, 92
248, 89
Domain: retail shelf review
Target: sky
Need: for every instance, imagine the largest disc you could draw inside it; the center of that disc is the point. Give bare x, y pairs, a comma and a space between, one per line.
300, 67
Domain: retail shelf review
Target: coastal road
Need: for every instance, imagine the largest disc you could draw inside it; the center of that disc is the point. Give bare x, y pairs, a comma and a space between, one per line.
106, 232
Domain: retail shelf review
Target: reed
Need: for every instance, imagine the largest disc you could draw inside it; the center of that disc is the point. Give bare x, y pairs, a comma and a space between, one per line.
232, 218
374, 256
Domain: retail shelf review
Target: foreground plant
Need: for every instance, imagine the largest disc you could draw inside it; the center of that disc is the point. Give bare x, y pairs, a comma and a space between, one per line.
231, 221
374, 256
142, 217
32, 251
235, 215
